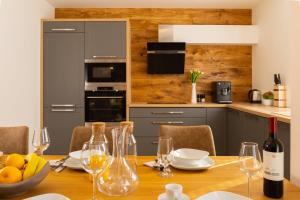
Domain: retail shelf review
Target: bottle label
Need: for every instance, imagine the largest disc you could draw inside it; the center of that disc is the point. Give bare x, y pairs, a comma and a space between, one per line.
273, 165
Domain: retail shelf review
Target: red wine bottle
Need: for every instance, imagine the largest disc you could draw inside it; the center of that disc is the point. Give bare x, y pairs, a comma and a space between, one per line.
273, 163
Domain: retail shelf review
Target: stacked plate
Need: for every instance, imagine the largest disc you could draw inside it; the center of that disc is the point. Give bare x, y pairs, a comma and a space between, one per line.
191, 159
73, 161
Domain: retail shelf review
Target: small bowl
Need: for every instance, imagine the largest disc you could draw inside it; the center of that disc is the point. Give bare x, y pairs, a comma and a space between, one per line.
16, 189
190, 156
267, 102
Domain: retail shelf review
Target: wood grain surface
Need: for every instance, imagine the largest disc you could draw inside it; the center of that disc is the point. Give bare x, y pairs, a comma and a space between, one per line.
224, 175
218, 62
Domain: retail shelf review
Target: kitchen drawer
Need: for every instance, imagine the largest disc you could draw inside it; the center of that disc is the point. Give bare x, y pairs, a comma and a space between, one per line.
63, 27
151, 126
147, 146
167, 112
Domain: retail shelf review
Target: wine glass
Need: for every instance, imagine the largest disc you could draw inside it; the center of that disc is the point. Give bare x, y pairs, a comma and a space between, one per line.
165, 156
250, 161
94, 159
40, 140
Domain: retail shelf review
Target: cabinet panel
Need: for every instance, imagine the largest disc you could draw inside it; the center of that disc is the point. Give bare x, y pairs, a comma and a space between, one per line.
60, 126
151, 126
105, 40
167, 112
147, 146
63, 27
285, 137
63, 69
235, 130
216, 119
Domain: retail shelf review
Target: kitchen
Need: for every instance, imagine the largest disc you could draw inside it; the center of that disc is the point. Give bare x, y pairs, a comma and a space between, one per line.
77, 86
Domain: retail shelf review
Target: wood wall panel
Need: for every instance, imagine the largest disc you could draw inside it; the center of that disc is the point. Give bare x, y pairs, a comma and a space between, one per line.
219, 62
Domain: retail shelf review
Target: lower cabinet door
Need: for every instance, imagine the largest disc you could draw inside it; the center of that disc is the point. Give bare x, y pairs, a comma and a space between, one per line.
147, 146
60, 125
284, 136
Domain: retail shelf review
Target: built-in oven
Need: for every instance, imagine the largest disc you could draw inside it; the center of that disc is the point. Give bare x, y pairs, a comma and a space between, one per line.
105, 72
105, 106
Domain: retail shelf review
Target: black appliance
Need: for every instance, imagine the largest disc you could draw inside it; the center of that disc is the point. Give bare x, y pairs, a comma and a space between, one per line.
222, 92
105, 106
166, 57
105, 72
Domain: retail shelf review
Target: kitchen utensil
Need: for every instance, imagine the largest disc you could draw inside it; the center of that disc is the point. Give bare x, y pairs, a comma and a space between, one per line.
254, 96
189, 155
203, 164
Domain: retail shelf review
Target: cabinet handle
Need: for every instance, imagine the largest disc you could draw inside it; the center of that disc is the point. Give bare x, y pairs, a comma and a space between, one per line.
63, 105
104, 56
154, 142
179, 122
63, 29
63, 110
105, 97
168, 113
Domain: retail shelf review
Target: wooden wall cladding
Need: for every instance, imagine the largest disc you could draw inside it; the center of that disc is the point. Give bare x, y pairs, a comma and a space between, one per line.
218, 62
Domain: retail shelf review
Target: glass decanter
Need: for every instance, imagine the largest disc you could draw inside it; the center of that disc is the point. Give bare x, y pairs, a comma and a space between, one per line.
130, 145
98, 133
119, 179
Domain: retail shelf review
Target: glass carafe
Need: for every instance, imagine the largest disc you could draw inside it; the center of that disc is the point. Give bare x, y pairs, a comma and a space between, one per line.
119, 179
130, 145
98, 132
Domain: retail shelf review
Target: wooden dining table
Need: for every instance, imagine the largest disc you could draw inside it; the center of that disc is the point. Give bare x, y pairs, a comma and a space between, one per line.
225, 175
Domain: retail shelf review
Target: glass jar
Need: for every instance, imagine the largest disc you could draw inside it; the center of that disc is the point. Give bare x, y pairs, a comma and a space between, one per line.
130, 144
119, 179
98, 132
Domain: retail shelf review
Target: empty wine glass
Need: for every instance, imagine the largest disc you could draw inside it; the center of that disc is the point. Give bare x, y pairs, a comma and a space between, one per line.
165, 157
250, 161
40, 140
94, 159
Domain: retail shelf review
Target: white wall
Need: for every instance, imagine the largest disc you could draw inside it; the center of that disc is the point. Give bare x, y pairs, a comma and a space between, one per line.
295, 71
20, 60
271, 55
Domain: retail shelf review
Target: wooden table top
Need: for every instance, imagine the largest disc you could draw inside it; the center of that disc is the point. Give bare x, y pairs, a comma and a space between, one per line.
224, 175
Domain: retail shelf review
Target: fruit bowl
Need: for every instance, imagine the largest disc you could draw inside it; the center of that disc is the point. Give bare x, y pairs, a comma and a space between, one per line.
16, 189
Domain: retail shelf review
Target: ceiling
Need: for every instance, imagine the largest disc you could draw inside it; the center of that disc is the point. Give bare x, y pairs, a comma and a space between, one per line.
245, 4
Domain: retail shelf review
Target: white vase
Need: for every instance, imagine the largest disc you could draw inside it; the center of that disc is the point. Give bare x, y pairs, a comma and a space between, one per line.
194, 93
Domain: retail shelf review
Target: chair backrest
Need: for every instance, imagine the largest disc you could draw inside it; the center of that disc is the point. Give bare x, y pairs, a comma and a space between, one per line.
14, 139
194, 137
82, 134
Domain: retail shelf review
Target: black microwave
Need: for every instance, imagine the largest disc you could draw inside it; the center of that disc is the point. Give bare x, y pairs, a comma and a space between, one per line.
105, 72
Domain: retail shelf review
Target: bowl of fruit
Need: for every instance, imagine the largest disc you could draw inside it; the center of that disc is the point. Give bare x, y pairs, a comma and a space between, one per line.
18, 174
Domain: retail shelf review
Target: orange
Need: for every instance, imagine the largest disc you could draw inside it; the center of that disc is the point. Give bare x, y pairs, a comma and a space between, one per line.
15, 160
10, 174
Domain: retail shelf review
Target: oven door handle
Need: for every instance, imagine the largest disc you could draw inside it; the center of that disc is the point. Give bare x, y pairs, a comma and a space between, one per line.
104, 97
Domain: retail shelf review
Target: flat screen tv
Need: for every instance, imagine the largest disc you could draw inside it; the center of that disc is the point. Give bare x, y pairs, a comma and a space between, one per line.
166, 57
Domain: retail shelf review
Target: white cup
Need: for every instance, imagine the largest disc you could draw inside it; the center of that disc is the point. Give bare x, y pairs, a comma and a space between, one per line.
173, 191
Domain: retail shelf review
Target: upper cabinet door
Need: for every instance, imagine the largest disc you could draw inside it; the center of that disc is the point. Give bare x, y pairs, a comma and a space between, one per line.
105, 39
63, 69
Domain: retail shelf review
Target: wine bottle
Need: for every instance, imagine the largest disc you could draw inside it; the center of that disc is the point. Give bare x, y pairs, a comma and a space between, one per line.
273, 163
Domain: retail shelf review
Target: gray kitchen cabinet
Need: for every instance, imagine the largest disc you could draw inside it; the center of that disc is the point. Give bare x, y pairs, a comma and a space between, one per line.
147, 146
60, 126
63, 83
63, 69
106, 39
235, 130
216, 119
285, 137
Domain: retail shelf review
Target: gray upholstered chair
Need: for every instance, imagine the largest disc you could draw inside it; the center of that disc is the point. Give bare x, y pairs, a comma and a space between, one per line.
194, 137
82, 134
14, 139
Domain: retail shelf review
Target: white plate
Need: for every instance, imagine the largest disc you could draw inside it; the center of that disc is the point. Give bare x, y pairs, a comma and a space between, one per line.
75, 154
50, 196
73, 164
221, 195
164, 197
189, 155
199, 165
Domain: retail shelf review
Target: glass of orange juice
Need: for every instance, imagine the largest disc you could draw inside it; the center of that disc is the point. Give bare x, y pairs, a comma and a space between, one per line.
94, 159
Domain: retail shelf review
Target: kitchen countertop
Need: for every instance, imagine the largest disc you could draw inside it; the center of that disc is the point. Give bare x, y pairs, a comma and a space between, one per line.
282, 114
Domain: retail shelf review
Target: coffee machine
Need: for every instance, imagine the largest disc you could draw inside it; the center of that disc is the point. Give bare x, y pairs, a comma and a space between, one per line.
222, 92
